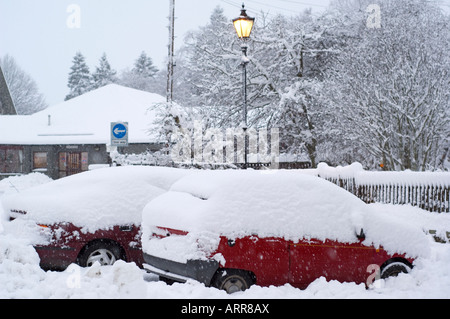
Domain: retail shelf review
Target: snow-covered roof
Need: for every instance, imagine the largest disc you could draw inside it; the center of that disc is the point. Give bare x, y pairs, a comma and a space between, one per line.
86, 119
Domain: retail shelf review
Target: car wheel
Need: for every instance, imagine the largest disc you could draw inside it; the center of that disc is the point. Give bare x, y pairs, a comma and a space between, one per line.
103, 252
232, 280
394, 268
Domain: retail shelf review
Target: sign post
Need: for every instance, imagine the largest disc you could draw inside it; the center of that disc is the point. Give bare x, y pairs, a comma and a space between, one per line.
119, 134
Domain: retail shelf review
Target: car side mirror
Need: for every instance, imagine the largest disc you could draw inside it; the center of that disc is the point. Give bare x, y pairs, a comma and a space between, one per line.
361, 235
440, 238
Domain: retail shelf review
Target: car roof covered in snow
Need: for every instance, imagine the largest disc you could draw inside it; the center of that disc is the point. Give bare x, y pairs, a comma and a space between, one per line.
238, 203
287, 204
96, 199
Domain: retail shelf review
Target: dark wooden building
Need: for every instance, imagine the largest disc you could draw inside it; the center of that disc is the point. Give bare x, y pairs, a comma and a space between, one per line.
75, 135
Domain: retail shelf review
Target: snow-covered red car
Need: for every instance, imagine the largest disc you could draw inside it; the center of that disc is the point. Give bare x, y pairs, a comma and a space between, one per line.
89, 217
232, 229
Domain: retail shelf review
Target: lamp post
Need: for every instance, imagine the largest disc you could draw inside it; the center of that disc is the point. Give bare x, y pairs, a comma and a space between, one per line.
243, 25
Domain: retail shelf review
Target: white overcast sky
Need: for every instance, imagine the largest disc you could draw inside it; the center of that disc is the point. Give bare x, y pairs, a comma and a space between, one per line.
36, 34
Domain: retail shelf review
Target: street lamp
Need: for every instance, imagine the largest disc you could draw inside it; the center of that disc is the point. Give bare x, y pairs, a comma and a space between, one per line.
243, 25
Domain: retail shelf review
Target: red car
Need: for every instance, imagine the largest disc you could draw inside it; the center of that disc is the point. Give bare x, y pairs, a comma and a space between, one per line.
91, 216
69, 244
231, 230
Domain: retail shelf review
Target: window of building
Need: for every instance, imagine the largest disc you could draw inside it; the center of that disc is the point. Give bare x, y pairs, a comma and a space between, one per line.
40, 160
11, 160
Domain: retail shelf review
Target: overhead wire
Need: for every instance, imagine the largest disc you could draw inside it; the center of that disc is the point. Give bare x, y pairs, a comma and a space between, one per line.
304, 3
274, 8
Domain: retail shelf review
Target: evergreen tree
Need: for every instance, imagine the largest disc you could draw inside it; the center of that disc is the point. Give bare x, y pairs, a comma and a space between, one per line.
142, 76
103, 74
79, 77
144, 66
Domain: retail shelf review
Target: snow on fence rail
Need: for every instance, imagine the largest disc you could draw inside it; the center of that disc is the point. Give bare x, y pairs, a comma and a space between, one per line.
427, 190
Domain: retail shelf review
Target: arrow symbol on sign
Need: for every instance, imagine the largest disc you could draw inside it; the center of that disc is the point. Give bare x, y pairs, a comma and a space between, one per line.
117, 131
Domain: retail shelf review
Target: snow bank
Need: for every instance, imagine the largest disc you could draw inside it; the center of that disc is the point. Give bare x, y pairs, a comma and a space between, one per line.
282, 204
19, 268
25, 279
21, 277
95, 199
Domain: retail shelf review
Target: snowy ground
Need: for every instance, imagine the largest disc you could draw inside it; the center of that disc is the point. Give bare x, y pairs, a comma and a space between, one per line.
21, 277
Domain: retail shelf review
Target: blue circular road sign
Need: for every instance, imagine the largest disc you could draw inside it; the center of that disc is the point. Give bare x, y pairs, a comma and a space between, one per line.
119, 130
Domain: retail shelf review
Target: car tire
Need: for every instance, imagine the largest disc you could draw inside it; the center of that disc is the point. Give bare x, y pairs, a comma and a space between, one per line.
232, 280
106, 253
394, 268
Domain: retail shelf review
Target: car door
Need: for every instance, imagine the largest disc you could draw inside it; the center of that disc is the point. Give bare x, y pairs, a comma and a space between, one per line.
310, 259
267, 258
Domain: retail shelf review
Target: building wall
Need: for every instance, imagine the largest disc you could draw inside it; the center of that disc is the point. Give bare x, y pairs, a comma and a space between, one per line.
96, 155
58, 161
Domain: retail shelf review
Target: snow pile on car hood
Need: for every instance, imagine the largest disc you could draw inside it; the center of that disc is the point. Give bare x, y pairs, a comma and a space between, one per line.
16, 184
285, 204
95, 199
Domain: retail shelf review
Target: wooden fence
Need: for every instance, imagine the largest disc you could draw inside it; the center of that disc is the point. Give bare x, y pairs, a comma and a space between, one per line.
427, 190
433, 198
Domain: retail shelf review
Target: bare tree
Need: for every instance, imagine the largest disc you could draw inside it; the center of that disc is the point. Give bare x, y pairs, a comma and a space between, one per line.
390, 87
23, 88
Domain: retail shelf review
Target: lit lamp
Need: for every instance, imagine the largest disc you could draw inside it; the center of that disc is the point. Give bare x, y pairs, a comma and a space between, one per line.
244, 25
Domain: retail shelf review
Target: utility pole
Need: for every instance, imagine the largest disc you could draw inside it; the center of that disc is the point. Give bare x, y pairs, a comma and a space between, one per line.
170, 64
